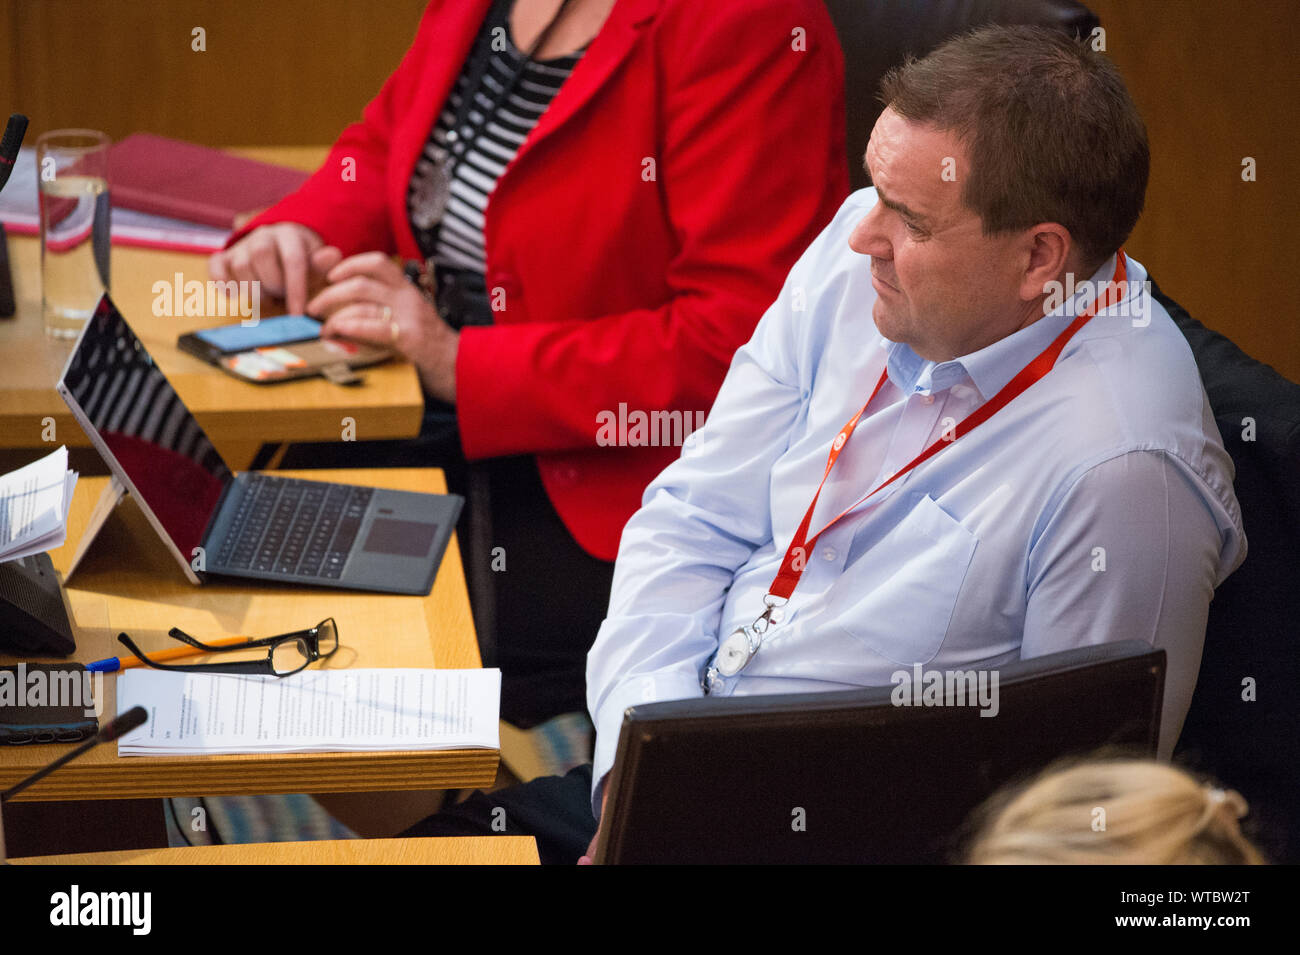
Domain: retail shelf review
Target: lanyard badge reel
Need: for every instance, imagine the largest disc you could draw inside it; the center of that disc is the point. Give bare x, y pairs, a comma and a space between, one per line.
738, 649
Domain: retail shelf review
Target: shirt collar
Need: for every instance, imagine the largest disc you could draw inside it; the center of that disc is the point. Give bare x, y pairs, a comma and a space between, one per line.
992, 367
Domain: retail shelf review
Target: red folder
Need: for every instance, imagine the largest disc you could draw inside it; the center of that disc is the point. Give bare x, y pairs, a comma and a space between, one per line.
167, 177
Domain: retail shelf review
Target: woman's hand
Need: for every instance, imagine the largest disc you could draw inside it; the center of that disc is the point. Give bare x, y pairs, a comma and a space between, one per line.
370, 300
280, 256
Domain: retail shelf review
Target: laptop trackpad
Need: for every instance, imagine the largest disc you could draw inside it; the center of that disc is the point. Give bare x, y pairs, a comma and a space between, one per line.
400, 538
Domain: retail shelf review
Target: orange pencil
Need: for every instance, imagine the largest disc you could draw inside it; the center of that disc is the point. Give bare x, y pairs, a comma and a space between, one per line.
128, 661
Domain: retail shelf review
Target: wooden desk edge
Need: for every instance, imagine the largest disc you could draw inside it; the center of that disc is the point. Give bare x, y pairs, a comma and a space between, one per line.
268, 774
456, 850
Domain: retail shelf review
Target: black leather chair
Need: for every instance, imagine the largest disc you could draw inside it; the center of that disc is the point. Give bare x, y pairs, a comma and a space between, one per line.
1254, 627
879, 34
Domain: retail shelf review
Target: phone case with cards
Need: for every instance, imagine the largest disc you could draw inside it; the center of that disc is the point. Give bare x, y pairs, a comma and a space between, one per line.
334, 359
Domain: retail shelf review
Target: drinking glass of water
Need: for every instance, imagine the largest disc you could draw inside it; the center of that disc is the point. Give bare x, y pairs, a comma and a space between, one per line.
72, 169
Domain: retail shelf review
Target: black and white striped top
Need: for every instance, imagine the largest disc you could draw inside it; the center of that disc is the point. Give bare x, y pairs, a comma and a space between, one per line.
457, 240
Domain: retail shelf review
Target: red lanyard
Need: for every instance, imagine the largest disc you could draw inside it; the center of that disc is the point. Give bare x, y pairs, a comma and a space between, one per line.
796, 555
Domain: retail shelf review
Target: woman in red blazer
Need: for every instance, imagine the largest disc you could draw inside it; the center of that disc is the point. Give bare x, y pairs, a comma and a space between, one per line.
631, 244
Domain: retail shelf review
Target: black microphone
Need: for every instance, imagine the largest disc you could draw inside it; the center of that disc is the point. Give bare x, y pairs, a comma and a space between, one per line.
13, 139
136, 716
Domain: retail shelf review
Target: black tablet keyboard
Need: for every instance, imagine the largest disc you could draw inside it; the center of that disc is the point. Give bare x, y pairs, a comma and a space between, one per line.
297, 528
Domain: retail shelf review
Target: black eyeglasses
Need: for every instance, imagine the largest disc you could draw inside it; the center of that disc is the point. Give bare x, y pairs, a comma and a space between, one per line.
286, 654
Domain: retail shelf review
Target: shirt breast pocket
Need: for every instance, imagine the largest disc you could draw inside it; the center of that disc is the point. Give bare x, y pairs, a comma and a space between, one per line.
897, 599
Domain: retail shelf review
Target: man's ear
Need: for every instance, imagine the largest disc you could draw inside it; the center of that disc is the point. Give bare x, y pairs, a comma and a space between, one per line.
1049, 254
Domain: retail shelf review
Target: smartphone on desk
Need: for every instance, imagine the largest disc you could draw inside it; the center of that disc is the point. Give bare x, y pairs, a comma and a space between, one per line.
212, 344
283, 348
63, 712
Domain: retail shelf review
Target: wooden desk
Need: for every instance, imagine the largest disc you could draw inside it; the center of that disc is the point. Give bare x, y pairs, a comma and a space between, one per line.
237, 416
460, 850
129, 582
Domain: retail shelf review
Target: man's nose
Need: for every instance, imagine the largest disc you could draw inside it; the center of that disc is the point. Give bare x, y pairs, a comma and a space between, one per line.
867, 237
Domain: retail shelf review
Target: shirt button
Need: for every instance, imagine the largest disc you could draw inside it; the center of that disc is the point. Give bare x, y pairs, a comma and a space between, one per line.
927, 399
828, 553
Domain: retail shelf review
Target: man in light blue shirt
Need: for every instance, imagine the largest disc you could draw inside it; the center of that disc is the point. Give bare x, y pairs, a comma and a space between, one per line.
1097, 505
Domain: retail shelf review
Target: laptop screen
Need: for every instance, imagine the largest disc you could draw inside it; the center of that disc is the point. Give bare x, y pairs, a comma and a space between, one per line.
157, 442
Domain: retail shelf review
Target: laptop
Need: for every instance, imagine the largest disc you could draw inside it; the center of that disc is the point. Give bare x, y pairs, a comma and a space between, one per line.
852, 776
251, 525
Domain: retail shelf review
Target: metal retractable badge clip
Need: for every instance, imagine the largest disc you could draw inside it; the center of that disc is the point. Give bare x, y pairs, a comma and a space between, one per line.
737, 650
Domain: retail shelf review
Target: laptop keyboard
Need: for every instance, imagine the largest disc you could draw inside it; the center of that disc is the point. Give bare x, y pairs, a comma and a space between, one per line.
298, 528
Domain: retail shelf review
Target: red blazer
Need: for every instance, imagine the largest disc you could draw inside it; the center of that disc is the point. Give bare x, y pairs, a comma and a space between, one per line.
635, 239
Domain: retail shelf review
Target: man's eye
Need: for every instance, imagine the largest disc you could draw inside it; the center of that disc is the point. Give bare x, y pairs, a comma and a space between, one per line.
913, 228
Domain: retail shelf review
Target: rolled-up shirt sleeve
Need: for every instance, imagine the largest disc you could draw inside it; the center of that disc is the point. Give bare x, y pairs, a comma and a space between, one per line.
1133, 551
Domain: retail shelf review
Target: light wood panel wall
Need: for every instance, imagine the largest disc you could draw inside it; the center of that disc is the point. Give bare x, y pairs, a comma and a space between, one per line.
1217, 82
275, 72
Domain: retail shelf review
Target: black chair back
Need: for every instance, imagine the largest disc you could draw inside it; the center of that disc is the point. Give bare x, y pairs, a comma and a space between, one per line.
1243, 725
848, 777
879, 34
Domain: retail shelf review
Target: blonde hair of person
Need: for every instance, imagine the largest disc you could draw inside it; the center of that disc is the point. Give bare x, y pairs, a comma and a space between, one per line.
1118, 812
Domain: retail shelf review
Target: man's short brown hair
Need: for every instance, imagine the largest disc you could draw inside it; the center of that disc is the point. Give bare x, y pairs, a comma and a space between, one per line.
1052, 133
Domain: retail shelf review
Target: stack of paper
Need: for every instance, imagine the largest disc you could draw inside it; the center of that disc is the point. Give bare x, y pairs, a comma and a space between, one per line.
34, 503
315, 711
